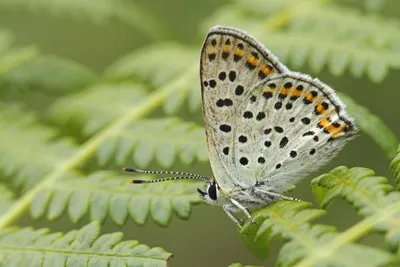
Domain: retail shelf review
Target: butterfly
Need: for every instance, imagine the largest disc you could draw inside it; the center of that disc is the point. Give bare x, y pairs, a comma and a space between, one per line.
267, 127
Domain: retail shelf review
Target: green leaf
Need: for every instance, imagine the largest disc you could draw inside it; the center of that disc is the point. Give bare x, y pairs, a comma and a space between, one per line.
159, 139
49, 74
372, 126
290, 222
103, 194
296, 25
22, 140
395, 167
149, 63
98, 12
97, 106
6, 198
370, 195
28, 247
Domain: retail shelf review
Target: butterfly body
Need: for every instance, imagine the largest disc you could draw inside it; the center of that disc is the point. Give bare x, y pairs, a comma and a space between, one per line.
266, 126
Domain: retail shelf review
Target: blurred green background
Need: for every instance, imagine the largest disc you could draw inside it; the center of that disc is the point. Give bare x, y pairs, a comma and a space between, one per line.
208, 238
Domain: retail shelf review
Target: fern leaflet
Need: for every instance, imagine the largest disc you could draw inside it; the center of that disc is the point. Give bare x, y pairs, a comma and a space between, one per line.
160, 139
370, 195
28, 247
97, 106
34, 74
6, 198
100, 11
293, 35
372, 126
290, 221
395, 167
148, 63
103, 194
22, 140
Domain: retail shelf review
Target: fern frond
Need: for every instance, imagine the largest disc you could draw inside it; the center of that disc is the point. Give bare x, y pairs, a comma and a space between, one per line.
300, 23
137, 112
372, 126
49, 74
24, 68
149, 65
100, 11
370, 195
155, 64
290, 221
103, 194
84, 247
30, 147
395, 167
97, 106
159, 139
185, 88
6, 198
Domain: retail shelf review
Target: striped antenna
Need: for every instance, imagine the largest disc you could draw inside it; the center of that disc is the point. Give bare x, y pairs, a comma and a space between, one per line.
167, 179
186, 176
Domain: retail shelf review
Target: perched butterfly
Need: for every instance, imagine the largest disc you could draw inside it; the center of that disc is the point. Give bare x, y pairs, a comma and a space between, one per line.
266, 126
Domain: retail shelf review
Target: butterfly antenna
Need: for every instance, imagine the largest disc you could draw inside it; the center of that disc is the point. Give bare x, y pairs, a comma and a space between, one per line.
186, 176
134, 181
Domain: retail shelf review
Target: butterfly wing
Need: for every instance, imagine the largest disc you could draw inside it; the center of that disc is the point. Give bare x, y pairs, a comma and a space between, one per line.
265, 124
296, 125
232, 62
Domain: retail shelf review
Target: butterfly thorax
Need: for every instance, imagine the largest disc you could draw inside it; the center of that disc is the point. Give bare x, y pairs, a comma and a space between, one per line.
252, 197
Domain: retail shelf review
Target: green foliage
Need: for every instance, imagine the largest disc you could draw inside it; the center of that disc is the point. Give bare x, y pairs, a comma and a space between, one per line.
60, 123
25, 69
307, 31
6, 198
395, 167
159, 139
103, 194
100, 11
149, 65
372, 126
50, 74
29, 247
370, 195
290, 222
22, 140
97, 106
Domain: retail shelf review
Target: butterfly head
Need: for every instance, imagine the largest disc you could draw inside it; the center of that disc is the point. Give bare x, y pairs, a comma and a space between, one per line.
212, 195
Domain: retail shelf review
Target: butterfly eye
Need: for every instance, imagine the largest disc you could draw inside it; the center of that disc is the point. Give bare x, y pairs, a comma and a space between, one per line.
212, 191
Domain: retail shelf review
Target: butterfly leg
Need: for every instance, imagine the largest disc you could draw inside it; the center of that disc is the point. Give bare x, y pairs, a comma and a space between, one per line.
244, 209
282, 197
232, 216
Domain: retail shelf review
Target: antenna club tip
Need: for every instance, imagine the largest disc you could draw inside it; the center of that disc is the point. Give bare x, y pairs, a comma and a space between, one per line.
130, 170
137, 181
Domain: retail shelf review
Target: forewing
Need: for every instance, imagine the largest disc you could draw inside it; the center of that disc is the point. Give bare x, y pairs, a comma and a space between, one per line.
288, 126
232, 63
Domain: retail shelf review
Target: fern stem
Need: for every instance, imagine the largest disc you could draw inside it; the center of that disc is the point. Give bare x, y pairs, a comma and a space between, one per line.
351, 234
89, 148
